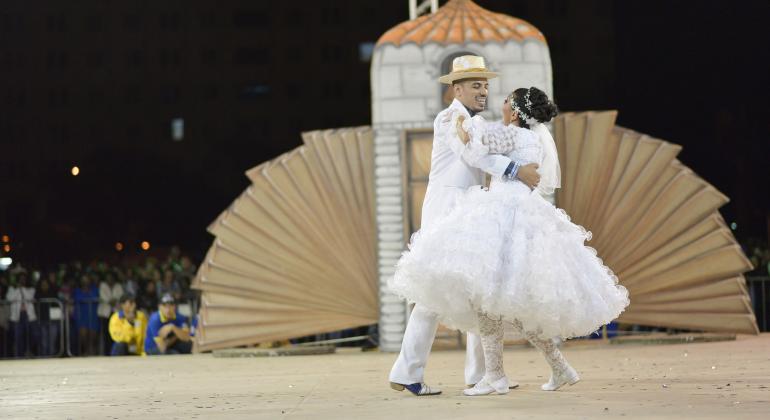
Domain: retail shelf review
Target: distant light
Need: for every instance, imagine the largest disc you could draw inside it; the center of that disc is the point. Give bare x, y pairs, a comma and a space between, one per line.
119, 246
177, 129
145, 245
5, 262
365, 50
6, 239
734, 226
7, 248
75, 171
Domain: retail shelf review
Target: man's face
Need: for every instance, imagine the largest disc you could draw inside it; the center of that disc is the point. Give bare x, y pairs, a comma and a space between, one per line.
472, 93
167, 309
128, 306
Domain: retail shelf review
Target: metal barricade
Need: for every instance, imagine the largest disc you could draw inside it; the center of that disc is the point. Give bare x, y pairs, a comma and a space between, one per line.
759, 288
86, 330
32, 336
55, 330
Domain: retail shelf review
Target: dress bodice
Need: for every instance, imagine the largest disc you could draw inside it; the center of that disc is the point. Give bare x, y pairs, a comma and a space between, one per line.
527, 147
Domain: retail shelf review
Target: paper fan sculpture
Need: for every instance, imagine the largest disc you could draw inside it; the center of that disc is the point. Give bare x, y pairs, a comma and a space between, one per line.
295, 254
655, 223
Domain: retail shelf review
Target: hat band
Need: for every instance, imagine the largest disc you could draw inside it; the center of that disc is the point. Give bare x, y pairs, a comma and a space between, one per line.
473, 70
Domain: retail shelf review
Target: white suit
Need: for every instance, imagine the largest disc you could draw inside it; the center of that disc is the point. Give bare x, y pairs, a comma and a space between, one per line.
450, 175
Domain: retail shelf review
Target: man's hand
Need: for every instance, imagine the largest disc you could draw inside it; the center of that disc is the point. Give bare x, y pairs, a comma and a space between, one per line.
462, 134
528, 175
165, 330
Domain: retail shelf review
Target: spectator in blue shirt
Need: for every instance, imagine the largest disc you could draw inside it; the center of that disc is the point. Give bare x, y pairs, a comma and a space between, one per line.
168, 331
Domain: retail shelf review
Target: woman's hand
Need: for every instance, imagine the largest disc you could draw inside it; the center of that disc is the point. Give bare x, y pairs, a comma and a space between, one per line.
507, 111
462, 134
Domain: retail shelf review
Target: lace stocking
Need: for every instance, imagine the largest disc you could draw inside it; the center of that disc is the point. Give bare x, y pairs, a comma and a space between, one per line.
491, 333
548, 347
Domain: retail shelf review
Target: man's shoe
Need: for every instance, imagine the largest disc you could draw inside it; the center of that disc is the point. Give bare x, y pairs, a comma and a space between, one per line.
419, 389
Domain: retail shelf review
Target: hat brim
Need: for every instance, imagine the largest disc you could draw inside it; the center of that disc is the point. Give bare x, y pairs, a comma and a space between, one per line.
453, 77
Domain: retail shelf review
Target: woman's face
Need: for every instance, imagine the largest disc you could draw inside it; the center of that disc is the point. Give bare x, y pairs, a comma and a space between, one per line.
508, 115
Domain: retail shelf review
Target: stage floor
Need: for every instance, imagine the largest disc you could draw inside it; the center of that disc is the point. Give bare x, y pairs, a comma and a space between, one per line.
708, 380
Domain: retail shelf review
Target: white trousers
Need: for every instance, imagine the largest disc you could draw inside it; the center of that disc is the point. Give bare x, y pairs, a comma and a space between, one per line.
415, 348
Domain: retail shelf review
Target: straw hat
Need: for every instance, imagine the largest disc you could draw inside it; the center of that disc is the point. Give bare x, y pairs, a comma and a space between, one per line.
467, 67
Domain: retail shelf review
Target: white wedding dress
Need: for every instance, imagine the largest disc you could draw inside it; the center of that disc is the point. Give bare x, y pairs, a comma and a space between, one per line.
509, 254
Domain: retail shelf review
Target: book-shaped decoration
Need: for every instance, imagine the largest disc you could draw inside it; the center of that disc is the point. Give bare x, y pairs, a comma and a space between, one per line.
655, 223
295, 255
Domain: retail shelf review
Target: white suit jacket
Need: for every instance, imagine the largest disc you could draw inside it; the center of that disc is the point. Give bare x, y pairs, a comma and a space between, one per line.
450, 172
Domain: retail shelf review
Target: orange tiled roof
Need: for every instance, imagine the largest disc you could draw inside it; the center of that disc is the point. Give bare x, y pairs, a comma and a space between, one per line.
460, 21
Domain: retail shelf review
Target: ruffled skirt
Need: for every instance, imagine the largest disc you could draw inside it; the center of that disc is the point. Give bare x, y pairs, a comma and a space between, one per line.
509, 252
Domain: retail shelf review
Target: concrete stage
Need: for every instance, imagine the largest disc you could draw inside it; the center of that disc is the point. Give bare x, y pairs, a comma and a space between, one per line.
729, 380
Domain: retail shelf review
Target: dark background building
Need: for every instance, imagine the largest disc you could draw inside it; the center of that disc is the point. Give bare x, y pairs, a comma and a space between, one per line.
99, 85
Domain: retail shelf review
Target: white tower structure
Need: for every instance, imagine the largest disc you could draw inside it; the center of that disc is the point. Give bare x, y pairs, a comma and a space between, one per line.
406, 96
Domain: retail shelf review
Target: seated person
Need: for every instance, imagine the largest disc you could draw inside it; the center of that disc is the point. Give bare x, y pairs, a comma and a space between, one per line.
168, 331
127, 328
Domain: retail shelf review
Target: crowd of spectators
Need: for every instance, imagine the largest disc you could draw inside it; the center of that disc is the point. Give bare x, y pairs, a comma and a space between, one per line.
109, 307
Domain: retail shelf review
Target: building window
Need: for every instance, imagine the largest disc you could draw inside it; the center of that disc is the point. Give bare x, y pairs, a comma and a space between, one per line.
209, 92
207, 20
251, 56
133, 22
135, 58
134, 131
295, 17
11, 23
95, 59
331, 16
332, 53
58, 97
13, 60
95, 23
15, 97
56, 23
209, 57
132, 94
251, 18
169, 21
170, 58
253, 93
170, 95
56, 60
95, 96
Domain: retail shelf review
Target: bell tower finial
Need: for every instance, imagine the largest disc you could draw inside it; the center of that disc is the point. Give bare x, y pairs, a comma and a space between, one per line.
416, 10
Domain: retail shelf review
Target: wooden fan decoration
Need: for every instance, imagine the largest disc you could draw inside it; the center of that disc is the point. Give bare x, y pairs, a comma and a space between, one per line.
295, 254
655, 223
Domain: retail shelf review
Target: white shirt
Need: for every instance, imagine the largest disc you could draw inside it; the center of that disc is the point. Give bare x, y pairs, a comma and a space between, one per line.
106, 294
21, 297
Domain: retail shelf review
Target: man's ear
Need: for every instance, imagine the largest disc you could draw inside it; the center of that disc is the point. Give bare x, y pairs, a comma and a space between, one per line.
456, 87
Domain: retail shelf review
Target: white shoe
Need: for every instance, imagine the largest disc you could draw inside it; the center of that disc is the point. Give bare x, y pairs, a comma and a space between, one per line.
567, 376
485, 387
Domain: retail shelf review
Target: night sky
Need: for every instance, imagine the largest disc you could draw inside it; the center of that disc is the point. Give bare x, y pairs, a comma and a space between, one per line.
98, 83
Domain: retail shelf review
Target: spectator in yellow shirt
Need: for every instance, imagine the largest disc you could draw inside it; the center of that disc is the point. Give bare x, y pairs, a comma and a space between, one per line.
127, 328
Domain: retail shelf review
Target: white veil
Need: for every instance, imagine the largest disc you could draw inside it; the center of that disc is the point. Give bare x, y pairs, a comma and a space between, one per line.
549, 170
